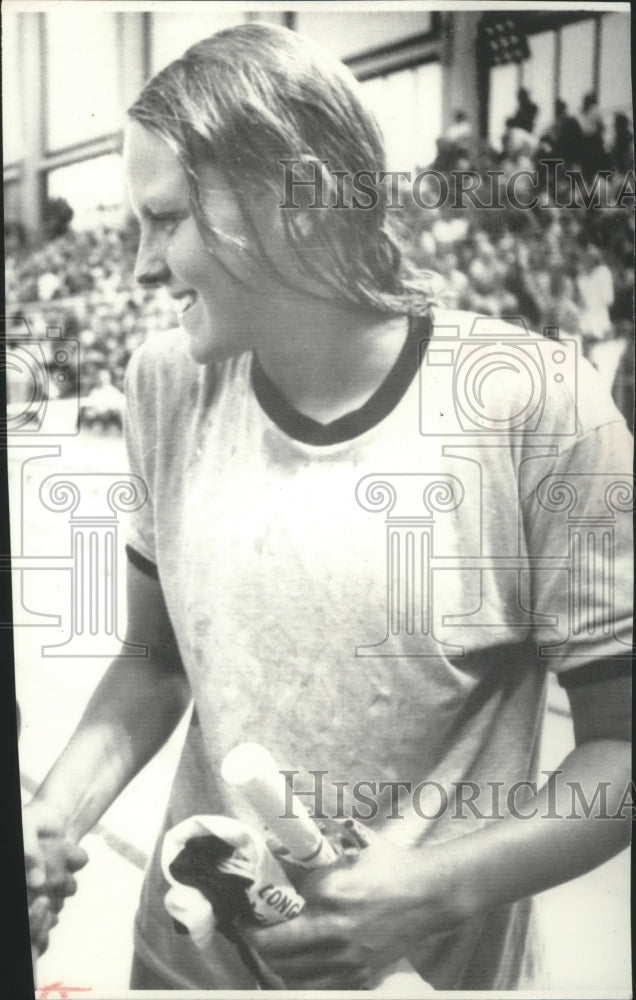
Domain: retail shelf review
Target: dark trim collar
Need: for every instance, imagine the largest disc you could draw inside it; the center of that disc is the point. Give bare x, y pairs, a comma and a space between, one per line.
383, 401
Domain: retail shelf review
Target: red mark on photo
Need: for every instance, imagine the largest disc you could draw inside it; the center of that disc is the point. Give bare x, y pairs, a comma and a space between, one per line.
64, 992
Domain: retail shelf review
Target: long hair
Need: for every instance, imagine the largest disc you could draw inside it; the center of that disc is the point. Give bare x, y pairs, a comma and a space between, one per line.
250, 97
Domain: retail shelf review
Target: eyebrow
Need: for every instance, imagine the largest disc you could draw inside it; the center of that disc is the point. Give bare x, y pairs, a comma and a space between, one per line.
152, 211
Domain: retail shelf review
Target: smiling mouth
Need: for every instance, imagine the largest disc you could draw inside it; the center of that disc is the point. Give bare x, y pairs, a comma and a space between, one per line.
186, 301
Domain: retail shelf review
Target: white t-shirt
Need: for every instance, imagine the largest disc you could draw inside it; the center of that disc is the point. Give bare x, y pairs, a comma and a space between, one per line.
381, 599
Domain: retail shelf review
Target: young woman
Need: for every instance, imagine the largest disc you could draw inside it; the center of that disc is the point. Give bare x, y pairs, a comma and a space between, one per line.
310, 394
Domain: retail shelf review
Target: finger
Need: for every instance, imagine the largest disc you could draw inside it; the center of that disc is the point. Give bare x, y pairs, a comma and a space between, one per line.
62, 884
76, 857
57, 864
34, 862
31, 844
38, 911
35, 875
59, 896
336, 979
292, 937
56, 902
265, 974
301, 967
41, 944
41, 920
70, 886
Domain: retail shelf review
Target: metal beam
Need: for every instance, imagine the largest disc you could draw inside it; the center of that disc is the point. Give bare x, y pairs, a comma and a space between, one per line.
80, 151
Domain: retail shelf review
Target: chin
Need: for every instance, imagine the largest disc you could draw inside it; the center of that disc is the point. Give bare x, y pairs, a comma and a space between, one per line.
207, 353
201, 346
203, 354
206, 347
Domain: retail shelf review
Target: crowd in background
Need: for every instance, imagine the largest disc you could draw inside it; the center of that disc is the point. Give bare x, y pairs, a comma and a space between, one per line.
562, 266
565, 266
82, 283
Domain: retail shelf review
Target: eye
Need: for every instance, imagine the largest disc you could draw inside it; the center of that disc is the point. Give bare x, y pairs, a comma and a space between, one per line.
167, 221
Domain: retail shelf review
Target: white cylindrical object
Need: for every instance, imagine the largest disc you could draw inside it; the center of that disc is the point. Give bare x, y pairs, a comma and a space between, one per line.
252, 769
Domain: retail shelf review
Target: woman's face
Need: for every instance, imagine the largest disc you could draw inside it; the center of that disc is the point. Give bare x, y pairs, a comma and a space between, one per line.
225, 300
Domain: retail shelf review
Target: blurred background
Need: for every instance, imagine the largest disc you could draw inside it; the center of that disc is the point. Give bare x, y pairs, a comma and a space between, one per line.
489, 91
455, 90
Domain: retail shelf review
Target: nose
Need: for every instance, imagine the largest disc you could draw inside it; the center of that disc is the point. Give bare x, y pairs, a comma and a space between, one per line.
151, 268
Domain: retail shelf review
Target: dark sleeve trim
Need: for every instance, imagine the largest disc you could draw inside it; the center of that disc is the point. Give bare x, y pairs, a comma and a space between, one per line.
596, 672
141, 563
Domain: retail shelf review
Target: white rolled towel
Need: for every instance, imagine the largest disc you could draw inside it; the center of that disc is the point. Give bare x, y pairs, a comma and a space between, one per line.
271, 895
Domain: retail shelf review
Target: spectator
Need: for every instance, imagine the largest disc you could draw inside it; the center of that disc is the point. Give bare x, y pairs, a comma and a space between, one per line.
596, 294
458, 138
48, 286
455, 293
519, 147
565, 135
593, 154
622, 152
104, 405
561, 310
524, 116
590, 118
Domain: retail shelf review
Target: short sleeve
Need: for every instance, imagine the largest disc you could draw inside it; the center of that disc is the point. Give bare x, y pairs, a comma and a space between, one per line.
578, 530
141, 529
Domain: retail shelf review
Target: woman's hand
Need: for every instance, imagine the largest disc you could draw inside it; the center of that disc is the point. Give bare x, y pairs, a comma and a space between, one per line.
42, 918
39, 820
50, 862
360, 917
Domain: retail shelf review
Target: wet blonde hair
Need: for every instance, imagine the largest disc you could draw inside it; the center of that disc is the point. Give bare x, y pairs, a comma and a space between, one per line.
251, 96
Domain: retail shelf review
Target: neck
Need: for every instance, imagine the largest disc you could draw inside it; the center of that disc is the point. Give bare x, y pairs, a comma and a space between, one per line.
327, 360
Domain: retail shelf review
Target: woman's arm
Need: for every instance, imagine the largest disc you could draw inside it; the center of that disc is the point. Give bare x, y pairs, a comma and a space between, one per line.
561, 842
361, 918
133, 711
